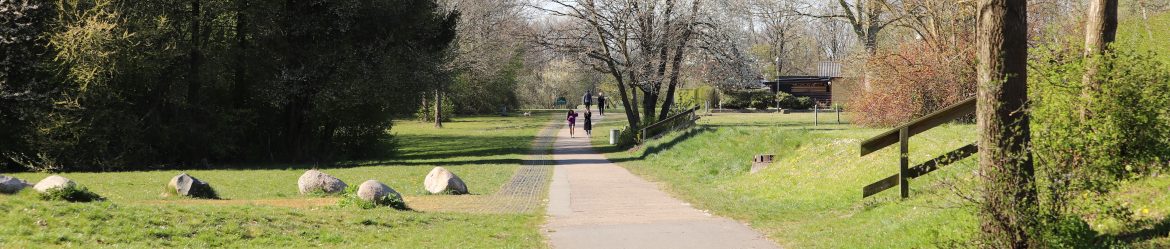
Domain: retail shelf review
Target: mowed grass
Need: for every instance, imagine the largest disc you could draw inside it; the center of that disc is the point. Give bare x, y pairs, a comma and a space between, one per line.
483, 151
265, 209
30, 223
811, 196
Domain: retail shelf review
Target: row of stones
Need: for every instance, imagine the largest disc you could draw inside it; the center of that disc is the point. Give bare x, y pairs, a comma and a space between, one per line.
438, 181
11, 185
182, 184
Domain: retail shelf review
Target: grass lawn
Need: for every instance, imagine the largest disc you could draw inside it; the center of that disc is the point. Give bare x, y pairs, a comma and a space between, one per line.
811, 196
263, 207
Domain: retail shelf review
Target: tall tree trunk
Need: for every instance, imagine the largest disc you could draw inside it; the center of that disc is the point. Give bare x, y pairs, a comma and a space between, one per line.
631, 117
635, 88
1100, 31
649, 105
438, 108
195, 55
630, 105
1009, 196
241, 85
677, 62
1146, 18
425, 116
195, 120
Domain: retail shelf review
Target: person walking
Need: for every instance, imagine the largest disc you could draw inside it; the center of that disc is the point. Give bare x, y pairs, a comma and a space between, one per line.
572, 118
601, 104
587, 100
589, 122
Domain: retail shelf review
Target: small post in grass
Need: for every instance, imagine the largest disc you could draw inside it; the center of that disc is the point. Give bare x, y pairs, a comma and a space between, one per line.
838, 109
816, 115
904, 161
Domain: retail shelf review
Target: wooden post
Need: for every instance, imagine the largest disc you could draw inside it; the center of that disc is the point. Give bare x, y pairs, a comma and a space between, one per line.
904, 161
838, 109
816, 115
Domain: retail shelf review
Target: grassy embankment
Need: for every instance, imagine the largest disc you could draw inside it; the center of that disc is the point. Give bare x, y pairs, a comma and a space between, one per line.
263, 207
811, 196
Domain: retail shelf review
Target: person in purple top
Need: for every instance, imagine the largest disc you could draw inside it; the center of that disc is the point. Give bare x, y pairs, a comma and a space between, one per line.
572, 117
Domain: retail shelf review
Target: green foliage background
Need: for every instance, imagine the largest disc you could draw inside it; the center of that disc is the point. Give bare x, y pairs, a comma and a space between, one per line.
116, 84
1126, 137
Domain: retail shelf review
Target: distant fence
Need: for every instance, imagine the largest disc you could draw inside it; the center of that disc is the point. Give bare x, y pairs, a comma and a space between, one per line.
681, 120
901, 136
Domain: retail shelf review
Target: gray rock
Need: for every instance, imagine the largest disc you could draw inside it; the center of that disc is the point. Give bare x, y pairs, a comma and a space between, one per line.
11, 185
373, 190
442, 181
314, 180
52, 182
189, 186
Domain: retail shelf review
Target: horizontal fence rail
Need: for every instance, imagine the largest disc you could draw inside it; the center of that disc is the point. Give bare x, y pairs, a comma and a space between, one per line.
689, 115
901, 136
921, 169
919, 125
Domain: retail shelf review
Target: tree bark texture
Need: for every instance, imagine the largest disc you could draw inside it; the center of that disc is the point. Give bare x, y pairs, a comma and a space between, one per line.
1008, 210
1100, 31
438, 108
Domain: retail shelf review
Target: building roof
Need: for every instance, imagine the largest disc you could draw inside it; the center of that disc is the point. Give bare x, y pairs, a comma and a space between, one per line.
788, 80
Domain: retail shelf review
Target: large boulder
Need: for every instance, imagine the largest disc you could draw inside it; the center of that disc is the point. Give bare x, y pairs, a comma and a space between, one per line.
316, 181
189, 186
53, 182
442, 181
11, 185
375, 191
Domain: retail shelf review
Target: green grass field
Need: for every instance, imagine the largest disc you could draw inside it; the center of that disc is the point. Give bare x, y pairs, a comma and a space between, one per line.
264, 209
811, 196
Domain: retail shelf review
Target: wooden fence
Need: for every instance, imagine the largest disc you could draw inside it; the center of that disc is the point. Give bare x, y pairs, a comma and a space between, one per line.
901, 135
677, 121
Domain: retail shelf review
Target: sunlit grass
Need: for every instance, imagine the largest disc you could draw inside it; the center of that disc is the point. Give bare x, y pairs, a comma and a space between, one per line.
263, 207
811, 196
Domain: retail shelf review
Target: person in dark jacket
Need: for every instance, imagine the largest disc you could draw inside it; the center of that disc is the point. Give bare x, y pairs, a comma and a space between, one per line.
587, 100
601, 104
588, 123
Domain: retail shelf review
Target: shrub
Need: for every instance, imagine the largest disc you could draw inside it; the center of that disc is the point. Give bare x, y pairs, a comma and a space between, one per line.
786, 100
912, 81
803, 103
759, 104
1126, 135
733, 99
70, 194
351, 199
1068, 232
755, 98
627, 138
696, 97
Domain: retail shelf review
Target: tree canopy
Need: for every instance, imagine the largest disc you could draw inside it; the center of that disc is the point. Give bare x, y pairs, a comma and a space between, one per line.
103, 84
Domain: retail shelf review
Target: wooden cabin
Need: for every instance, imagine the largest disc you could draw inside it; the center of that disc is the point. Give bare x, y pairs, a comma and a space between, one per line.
818, 88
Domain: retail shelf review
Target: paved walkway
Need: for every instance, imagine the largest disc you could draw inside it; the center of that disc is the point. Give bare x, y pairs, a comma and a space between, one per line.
594, 203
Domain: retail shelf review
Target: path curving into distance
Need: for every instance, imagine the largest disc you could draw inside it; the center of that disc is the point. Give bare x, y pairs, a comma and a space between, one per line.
594, 203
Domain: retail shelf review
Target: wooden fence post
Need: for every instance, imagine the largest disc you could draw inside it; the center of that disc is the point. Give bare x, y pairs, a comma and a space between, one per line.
838, 109
904, 161
816, 116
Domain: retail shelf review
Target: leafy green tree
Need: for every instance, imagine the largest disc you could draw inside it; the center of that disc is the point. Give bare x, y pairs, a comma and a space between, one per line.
120, 84
25, 79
